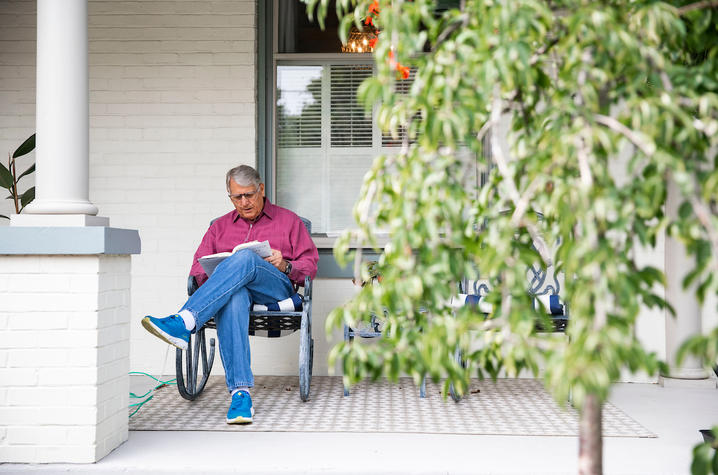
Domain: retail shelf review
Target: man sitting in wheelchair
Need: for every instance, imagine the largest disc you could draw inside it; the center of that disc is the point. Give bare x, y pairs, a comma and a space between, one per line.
240, 280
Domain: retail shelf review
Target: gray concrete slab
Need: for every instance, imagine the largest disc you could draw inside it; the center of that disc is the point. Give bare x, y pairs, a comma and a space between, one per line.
675, 414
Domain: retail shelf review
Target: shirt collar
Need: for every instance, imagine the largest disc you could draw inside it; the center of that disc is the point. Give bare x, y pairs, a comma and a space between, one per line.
268, 211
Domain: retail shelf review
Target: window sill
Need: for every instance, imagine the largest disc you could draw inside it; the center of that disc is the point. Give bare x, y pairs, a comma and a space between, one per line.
324, 241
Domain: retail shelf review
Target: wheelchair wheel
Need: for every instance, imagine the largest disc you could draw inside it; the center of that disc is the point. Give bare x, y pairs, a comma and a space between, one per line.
306, 354
187, 371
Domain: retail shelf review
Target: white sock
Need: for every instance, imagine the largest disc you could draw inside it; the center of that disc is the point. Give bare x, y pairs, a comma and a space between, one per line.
241, 388
188, 319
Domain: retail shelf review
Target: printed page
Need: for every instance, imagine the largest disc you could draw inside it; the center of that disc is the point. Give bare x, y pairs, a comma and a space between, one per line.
211, 261
261, 248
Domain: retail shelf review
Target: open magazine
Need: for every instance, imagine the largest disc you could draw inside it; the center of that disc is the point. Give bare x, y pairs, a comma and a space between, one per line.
211, 261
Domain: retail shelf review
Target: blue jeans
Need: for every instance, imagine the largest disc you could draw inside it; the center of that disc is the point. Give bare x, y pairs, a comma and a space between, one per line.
239, 281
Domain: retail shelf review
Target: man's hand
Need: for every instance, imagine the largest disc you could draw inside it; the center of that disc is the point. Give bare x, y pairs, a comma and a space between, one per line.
276, 260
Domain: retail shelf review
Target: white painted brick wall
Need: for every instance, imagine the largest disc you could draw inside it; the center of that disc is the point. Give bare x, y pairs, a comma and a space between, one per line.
17, 86
63, 368
172, 108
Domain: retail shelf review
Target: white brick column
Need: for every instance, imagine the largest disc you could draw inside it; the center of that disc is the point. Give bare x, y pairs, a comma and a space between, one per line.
62, 110
64, 342
64, 357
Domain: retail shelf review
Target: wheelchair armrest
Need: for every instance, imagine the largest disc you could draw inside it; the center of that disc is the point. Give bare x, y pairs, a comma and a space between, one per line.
191, 285
307, 289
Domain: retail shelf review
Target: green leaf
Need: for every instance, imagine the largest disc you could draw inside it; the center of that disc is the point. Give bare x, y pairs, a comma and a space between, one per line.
344, 27
3, 216
27, 197
685, 210
27, 172
5, 177
702, 455
26, 147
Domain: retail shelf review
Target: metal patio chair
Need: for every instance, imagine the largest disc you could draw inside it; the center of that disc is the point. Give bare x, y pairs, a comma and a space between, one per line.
271, 324
373, 330
544, 285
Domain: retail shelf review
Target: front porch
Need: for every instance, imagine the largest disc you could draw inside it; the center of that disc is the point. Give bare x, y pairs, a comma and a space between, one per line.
170, 100
673, 414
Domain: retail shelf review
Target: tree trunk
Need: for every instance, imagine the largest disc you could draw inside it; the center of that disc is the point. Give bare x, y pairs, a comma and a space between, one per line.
590, 442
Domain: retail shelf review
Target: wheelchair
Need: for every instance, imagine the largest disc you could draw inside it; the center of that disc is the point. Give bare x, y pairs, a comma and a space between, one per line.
270, 324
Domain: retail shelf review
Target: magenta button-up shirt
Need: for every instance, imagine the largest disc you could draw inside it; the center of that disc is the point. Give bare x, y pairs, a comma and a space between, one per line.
281, 227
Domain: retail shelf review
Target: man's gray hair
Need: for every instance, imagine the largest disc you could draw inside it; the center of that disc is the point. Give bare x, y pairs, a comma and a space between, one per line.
244, 175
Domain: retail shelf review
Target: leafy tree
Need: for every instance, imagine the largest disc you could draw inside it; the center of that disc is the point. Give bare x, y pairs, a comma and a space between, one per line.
604, 108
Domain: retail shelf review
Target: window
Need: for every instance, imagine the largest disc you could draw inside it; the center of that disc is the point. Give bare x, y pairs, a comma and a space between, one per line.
316, 142
326, 142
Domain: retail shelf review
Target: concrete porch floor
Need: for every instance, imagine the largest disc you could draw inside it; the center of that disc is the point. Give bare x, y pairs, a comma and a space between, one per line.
674, 414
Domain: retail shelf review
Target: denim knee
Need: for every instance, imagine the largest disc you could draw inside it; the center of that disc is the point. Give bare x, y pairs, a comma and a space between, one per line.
244, 257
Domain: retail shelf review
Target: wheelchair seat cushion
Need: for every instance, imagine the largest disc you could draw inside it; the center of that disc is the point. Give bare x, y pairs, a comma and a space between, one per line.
291, 304
262, 323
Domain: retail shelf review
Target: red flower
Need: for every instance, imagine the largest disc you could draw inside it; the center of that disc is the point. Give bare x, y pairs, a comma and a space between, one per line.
400, 68
372, 42
368, 21
374, 7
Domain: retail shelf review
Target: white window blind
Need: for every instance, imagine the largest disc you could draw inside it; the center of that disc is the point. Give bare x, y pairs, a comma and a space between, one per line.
299, 106
350, 125
326, 142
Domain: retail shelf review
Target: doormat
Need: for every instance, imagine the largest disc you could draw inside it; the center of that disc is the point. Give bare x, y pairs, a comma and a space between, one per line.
506, 407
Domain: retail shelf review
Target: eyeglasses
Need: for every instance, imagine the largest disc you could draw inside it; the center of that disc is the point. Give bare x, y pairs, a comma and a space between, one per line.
248, 196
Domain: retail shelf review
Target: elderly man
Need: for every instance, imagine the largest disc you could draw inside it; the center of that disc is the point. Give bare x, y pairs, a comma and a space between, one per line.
240, 280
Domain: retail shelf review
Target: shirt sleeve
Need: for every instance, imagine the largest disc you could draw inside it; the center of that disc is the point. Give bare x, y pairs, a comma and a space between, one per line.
207, 246
304, 253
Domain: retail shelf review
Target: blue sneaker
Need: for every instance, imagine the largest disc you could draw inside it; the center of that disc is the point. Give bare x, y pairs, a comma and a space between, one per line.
241, 410
169, 329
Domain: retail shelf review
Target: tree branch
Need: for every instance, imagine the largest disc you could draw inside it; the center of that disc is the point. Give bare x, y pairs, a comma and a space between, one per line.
501, 163
523, 202
583, 159
646, 147
484, 129
697, 6
542, 50
451, 29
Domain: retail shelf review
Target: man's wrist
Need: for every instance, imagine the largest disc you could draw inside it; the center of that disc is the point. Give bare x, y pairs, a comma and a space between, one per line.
287, 267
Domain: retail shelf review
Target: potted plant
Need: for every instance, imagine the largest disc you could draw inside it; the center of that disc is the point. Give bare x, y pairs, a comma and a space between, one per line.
9, 177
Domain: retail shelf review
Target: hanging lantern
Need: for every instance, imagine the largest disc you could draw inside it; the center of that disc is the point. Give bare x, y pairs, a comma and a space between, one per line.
360, 41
